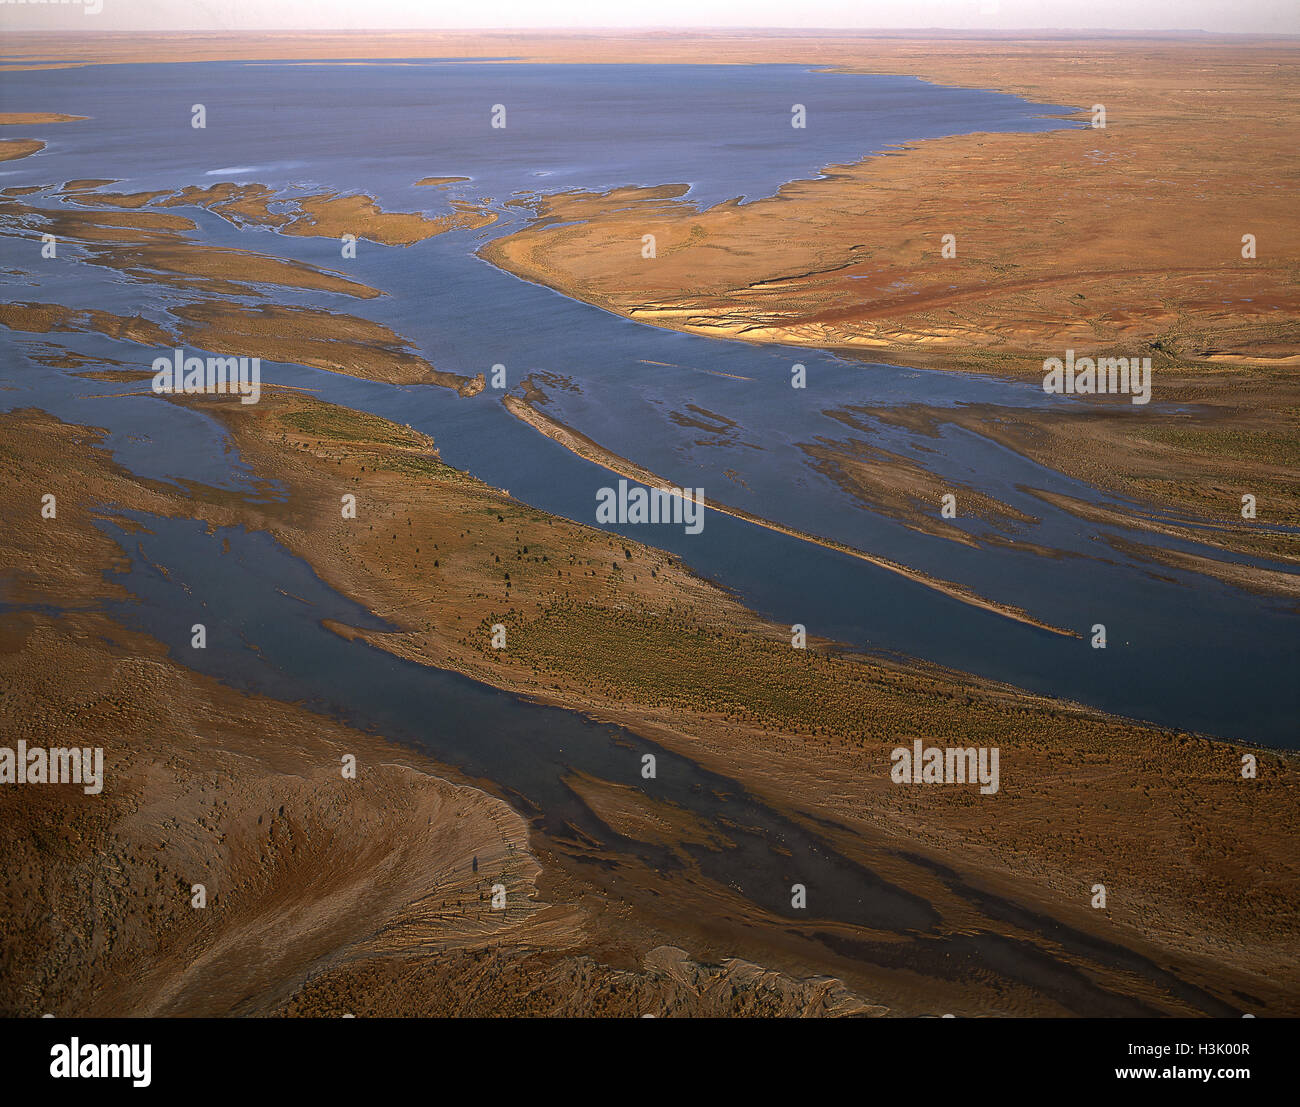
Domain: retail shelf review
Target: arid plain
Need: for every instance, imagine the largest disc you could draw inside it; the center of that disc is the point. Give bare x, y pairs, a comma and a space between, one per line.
372, 897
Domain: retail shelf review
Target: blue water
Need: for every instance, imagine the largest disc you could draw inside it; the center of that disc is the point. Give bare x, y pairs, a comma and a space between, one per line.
264, 641
379, 128
1184, 650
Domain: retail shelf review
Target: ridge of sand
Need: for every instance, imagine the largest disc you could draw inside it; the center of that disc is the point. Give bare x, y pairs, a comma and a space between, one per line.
586, 448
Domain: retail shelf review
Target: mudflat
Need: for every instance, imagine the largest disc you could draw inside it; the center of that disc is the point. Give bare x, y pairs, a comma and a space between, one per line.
801, 730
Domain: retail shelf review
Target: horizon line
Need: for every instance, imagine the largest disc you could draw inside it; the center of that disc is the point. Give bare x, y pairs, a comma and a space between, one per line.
617, 30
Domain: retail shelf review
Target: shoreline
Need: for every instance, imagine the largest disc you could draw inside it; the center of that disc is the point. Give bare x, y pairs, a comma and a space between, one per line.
1201, 862
816, 763
586, 448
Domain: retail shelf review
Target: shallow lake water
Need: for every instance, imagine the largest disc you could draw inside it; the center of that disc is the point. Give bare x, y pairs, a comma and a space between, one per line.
1184, 650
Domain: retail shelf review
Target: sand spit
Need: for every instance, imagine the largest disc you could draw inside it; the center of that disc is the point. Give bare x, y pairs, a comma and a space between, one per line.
130, 200
323, 214
1273, 582
309, 336
44, 318
217, 271
82, 183
1186, 467
36, 118
331, 215
904, 490
11, 149
584, 447
237, 204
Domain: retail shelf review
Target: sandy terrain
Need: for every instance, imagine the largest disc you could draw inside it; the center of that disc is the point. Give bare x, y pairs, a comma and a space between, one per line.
340, 343
514, 983
330, 215
325, 214
300, 865
11, 149
324, 895
44, 318
35, 118
807, 731
1201, 864
1077, 239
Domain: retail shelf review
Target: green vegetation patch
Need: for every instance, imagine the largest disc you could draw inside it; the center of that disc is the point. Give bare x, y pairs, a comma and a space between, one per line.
1268, 447
343, 425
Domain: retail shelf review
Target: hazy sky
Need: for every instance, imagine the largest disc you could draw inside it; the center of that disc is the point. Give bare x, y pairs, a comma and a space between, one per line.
1276, 16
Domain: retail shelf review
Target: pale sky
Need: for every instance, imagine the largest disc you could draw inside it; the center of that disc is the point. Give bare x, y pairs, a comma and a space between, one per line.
1270, 16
